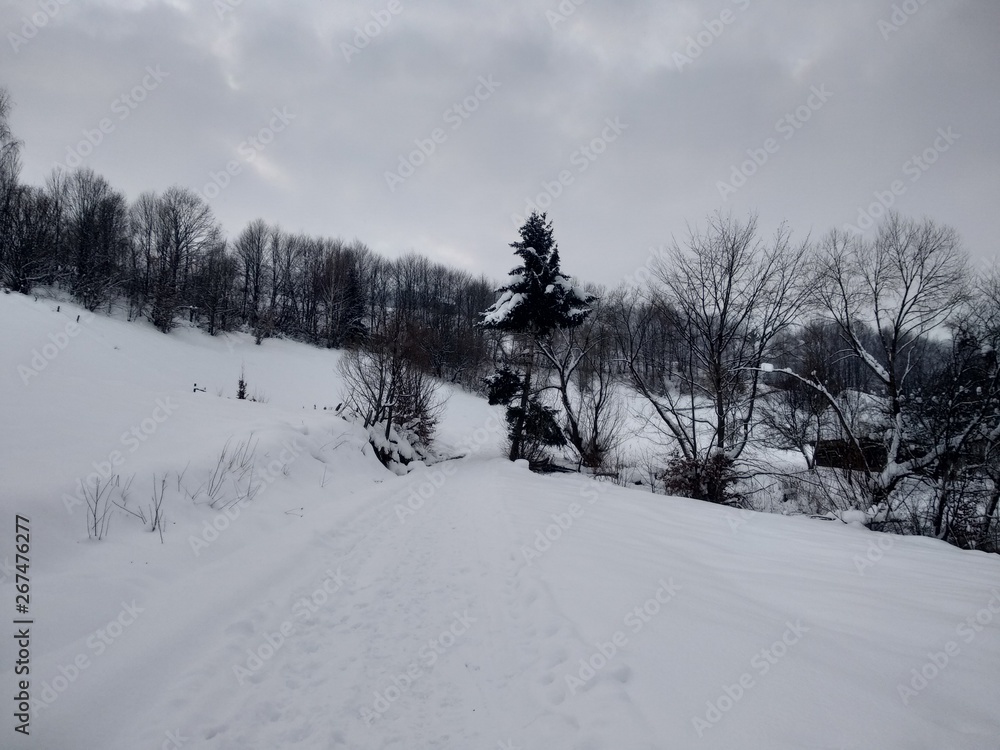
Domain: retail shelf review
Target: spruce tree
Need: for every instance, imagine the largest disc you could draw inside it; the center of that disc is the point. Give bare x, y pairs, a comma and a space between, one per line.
536, 300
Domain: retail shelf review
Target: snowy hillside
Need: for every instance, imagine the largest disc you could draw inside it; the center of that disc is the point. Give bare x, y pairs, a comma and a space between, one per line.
303, 596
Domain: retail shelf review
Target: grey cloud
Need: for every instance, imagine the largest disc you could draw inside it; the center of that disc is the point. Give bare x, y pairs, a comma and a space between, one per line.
688, 127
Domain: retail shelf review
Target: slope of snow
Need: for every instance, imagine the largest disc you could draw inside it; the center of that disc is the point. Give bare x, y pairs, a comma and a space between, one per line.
469, 604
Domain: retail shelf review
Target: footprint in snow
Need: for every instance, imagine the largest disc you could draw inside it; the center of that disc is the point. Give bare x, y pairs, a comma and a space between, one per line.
297, 735
213, 731
269, 711
557, 657
623, 674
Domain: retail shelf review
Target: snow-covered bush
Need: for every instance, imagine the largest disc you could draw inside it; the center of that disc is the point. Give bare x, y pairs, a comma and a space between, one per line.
711, 479
390, 397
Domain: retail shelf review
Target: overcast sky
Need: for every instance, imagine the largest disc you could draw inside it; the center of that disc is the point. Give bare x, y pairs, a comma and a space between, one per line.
628, 121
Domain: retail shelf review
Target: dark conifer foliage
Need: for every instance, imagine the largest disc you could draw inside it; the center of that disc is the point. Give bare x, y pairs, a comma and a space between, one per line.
537, 300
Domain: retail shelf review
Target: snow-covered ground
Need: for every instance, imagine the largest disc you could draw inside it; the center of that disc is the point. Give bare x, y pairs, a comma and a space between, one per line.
469, 604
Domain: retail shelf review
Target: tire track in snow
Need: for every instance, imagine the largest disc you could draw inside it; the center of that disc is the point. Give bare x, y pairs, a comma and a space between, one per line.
592, 719
207, 643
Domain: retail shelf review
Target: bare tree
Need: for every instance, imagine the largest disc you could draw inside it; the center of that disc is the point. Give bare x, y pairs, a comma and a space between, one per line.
250, 248
28, 245
905, 284
385, 390
97, 237
583, 365
146, 242
343, 294
10, 147
965, 512
794, 415
186, 229
726, 297
12, 202
214, 281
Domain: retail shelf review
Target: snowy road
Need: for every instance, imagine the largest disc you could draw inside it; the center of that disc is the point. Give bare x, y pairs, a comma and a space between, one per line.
511, 610
375, 632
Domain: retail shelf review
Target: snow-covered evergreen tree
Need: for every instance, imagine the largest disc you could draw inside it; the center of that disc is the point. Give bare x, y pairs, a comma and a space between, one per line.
538, 297
536, 300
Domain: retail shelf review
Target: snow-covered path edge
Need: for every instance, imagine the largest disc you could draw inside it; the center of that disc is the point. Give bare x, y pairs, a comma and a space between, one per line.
536, 611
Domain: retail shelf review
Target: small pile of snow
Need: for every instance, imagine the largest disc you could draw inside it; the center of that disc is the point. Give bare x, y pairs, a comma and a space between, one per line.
397, 451
852, 517
503, 307
515, 278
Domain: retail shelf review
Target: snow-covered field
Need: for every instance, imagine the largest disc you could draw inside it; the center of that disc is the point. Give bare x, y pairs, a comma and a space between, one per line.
469, 604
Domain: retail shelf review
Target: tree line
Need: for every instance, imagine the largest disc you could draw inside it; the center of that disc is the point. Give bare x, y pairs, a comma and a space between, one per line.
164, 257
849, 373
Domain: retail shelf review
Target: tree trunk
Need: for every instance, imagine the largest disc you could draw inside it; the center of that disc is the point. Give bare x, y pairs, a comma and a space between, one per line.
517, 435
991, 509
